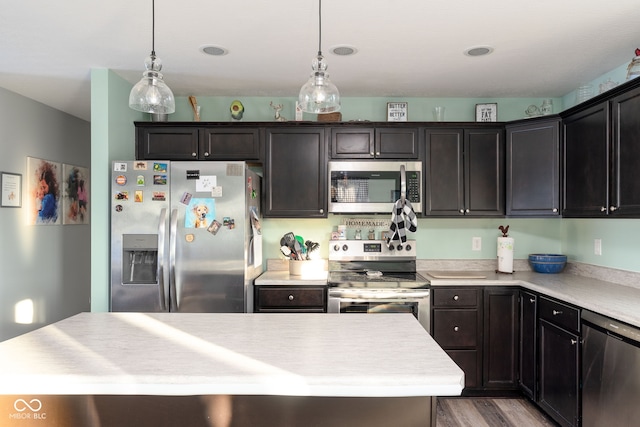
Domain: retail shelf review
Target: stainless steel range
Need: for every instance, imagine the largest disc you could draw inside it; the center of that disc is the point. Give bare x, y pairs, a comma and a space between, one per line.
367, 276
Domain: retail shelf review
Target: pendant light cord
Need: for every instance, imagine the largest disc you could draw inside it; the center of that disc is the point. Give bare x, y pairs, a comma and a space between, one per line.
153, 27
319, 27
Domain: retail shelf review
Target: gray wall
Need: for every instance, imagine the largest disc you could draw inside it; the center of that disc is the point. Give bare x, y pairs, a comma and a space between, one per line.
49, 265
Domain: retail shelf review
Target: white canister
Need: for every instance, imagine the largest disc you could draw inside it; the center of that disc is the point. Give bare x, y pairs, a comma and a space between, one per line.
342, 232
505, 254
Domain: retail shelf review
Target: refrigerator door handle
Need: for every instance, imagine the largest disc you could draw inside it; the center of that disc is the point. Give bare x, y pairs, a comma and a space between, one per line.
173, 231
162, 227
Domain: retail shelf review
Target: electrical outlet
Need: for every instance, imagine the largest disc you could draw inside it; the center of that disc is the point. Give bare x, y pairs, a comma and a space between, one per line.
597, 246
476, 243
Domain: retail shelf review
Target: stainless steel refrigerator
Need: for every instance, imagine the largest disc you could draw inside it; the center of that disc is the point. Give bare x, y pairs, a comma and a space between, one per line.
185, 236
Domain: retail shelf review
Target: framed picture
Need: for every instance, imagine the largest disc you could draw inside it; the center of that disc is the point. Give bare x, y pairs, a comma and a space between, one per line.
397, 111
11, 184
486, 112
44, 192
75, 194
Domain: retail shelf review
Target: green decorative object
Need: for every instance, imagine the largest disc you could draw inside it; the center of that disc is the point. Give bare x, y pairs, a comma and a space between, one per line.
237, 110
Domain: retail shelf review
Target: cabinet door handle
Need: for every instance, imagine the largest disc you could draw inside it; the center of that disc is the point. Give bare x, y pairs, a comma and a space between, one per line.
613, 208
194, 154
456, 297
456, 329
206, 154
291, 297
467, 211
556, 312
372, 153
377, 153
574, 342
532, 300
603, 209
321, 211
461, 211
554, 210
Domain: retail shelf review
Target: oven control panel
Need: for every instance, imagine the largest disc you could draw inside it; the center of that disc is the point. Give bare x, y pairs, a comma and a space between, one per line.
370, 249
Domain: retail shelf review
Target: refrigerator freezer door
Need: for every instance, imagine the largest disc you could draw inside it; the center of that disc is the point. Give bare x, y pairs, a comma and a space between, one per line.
139, 204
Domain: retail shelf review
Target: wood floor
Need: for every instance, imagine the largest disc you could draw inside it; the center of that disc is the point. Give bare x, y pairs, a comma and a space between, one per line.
489, 412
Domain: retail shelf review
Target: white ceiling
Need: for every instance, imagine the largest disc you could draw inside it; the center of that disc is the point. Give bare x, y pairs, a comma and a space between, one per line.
406, 48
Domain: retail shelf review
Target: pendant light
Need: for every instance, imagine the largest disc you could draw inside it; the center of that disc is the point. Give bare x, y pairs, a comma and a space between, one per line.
151, 94
319, 95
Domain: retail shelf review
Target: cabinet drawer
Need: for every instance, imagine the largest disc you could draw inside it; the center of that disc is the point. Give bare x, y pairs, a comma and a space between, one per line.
455, 297
467, 360
565, 316
456, 328
272, 297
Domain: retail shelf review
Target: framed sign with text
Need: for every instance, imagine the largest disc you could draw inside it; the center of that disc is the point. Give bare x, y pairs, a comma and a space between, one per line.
486, 112
11, 184
397, 111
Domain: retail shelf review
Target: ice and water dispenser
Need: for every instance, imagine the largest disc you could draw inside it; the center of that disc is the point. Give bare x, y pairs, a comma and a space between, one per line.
139, 259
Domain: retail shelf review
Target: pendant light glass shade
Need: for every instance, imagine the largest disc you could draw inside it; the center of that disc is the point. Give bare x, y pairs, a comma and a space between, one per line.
151, 94
319, 95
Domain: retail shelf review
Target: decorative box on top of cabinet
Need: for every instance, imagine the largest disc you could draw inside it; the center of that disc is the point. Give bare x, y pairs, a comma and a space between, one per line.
464, 171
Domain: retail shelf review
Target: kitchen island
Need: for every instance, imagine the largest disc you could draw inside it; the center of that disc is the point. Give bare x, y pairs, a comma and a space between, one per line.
157, 369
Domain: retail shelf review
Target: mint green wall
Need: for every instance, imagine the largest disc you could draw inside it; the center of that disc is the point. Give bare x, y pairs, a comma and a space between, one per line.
439, 238
113, 138
373, 109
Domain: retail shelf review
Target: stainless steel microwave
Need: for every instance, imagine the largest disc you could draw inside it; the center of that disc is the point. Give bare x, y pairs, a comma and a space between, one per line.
373, 186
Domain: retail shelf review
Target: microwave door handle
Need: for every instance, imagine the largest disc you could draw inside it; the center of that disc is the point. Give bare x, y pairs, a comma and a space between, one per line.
403, 184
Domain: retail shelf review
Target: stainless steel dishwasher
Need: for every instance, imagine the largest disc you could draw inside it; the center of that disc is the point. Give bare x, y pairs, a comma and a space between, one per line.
610, 372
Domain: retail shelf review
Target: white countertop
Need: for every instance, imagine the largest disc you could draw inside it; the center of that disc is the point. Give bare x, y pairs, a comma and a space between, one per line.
243, 354
620, 302
282, 277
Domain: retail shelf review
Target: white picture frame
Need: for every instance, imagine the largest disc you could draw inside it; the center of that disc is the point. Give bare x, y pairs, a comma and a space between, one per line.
487, 112
397, 111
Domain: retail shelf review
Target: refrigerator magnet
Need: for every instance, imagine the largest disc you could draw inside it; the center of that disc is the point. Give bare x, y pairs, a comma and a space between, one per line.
216, 192
189, 238
119, 167
159, 167
137, 196
140, 166
214, 227
122, 195
159, 179
159, 196
140, 180
121, 180
186, 198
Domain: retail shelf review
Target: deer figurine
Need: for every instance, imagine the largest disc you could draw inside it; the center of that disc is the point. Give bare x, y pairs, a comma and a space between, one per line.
278, 116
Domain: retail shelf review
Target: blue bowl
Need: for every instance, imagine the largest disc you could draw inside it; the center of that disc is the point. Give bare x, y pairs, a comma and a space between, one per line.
547, 263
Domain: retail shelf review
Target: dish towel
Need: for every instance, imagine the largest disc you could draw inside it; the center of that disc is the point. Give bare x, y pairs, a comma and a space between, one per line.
403, 218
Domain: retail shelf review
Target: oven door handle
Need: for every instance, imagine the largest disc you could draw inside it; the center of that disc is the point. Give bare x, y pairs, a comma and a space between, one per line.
346, 294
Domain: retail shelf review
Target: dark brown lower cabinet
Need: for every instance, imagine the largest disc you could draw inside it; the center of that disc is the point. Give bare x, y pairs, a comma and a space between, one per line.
501, 332
559, 361
478, 328
290, 299
528, 344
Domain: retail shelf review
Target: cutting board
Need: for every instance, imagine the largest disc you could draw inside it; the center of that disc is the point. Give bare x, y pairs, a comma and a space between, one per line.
457, 275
